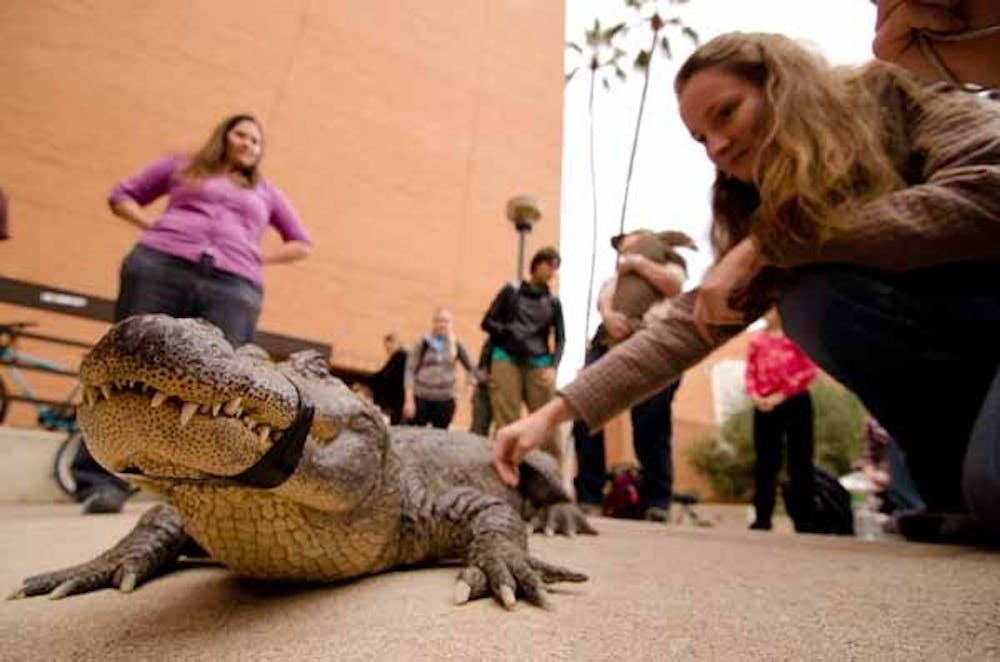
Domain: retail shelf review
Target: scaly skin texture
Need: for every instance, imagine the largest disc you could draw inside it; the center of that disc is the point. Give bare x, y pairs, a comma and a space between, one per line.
173, 408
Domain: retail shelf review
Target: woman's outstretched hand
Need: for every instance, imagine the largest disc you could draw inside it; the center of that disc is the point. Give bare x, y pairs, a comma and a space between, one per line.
730, 274
519, 438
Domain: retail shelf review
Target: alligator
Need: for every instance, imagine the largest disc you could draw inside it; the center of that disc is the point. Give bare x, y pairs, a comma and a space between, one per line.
280, 472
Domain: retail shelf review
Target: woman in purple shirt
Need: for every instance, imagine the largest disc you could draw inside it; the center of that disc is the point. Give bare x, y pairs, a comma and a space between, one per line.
201, 257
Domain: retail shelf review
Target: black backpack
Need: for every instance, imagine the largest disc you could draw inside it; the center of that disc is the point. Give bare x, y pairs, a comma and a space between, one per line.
831, 512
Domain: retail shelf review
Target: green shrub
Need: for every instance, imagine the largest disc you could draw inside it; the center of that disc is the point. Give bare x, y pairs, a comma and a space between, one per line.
727, 461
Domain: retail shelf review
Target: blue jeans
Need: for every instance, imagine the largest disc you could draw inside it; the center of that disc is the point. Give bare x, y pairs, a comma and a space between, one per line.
921, 350
652, 432
154, 282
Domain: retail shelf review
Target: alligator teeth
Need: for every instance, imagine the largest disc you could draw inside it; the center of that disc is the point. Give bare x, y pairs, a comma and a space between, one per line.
90, 395
216, 408
264, 432
187, 411
204, 409
232, 406
106, 391
158, 398
250, 423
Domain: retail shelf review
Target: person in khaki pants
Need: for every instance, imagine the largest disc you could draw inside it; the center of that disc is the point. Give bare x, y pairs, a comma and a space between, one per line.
521, 321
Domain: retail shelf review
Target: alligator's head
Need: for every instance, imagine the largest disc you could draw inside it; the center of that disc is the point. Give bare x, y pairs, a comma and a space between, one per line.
169, 403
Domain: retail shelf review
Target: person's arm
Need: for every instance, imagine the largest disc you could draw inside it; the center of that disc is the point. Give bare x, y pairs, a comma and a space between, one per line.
128, 197
953, 216
470, 370
493, 321
409, 375
559, 333
643, 364
800, 373
632, 371
524, 435
668, 278
296, 243
975, 60
753, 376
615, 323
732, 273
127, 208
290, 251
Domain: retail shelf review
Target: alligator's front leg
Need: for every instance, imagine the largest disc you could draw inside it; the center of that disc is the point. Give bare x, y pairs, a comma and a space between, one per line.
491, 535
157, 540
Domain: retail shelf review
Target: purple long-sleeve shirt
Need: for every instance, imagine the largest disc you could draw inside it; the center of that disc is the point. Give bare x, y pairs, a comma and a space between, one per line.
212, 215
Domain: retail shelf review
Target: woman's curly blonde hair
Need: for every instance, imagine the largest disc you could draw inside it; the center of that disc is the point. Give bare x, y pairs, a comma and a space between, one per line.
823, 152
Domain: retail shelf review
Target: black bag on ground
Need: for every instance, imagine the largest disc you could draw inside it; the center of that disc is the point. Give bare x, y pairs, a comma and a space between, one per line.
831, 512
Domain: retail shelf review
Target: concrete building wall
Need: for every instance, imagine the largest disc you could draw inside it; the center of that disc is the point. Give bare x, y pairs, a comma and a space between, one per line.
397, 129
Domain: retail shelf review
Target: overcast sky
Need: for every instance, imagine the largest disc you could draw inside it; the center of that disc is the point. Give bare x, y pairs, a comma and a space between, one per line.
672, 175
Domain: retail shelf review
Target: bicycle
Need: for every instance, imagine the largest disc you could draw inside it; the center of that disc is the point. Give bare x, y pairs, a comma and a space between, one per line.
52, 414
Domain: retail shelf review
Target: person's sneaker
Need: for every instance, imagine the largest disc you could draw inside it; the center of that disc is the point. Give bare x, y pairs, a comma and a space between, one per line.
105, 499
760, 526
657, 514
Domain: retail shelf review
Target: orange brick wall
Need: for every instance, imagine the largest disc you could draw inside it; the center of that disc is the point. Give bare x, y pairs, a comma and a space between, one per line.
398, 130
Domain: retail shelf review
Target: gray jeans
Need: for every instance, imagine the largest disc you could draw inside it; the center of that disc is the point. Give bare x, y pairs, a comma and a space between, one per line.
921, 349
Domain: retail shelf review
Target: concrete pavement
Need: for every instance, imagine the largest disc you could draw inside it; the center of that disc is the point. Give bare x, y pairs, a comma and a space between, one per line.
656, 592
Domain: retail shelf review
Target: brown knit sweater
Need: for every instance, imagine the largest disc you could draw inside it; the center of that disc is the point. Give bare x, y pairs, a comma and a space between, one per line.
949, 213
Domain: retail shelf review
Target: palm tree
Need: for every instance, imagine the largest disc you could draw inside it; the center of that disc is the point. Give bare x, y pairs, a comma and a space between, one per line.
651, 14
603, 62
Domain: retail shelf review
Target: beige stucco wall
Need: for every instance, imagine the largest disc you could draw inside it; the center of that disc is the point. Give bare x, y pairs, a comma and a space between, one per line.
397, 129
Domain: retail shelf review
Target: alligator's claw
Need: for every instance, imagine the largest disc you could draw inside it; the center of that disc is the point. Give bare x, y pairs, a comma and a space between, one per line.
562, 518
506, 571
155, 541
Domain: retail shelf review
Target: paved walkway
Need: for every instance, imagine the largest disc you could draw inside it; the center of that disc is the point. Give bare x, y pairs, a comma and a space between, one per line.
655, 593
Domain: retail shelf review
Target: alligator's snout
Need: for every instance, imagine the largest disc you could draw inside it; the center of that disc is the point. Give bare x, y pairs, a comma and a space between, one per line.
189, 364
172, 397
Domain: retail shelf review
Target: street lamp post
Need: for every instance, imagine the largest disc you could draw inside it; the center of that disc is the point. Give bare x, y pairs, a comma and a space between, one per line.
523, 212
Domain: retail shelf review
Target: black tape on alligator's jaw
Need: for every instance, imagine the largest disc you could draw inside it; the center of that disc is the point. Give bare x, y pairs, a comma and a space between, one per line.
280, 461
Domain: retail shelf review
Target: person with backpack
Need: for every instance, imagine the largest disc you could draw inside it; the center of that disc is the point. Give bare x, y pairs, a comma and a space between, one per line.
778, 376
520, 322
429, 382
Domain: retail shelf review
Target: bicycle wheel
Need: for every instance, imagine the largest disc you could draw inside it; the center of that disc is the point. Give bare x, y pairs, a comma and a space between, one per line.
62, 468
3, 401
